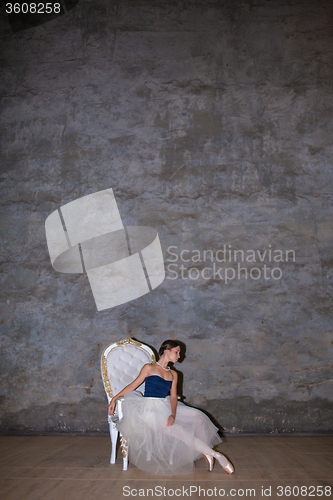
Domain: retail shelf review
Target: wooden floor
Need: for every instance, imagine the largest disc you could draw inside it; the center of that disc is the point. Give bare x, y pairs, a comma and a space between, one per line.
72, 467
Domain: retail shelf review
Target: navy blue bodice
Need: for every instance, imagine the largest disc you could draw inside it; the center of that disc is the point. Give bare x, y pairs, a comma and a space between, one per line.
156, 387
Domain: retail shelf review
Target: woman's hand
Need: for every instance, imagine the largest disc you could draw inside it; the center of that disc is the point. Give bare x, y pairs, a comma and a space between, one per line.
171, 420
112, 406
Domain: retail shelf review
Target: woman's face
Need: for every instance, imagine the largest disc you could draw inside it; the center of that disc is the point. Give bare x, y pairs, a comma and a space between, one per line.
174, 354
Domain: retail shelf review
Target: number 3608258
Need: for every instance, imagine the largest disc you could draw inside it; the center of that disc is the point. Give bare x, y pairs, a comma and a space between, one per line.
33, 8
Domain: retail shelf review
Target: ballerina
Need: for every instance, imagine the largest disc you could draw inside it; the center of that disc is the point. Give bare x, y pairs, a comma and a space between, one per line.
165, 436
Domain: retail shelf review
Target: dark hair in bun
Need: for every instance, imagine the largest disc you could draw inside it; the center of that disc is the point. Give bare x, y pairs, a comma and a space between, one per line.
167, 345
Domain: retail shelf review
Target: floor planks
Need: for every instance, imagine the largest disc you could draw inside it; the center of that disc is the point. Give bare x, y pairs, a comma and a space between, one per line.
77, 467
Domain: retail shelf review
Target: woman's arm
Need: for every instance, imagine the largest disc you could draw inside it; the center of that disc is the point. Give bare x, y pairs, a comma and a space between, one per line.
173, 399
130, 387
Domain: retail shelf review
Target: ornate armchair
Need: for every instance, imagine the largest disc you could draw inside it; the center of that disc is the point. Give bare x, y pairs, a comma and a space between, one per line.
120, 364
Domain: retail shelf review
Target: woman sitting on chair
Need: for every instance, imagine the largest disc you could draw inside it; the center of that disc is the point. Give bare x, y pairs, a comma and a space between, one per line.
165, 437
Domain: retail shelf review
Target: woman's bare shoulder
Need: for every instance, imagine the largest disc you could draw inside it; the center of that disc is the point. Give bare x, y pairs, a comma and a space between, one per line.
147, 368
174, 374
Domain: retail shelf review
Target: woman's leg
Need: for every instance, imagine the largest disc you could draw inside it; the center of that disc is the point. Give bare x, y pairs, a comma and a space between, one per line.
198, 444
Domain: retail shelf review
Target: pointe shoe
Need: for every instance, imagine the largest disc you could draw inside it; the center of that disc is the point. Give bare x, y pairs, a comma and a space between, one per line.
210, 462
229, 467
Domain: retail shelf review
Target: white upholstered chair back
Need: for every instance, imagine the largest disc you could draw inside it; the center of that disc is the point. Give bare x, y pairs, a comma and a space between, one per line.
120, 364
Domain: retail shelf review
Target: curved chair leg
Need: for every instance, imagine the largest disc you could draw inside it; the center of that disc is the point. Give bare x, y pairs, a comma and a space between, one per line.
172, 452
124, 450
114, 438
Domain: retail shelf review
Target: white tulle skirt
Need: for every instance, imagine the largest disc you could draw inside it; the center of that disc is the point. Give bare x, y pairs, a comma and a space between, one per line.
157, 448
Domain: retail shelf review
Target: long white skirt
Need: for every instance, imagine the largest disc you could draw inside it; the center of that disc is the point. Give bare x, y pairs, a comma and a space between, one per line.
157, 448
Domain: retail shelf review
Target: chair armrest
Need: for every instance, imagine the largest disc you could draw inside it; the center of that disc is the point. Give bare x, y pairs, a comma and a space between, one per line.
117, 412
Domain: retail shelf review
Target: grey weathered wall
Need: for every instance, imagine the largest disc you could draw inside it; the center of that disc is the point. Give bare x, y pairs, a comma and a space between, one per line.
212, 122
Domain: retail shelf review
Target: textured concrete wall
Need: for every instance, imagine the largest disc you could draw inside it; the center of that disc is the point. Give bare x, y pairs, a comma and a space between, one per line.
212, 122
